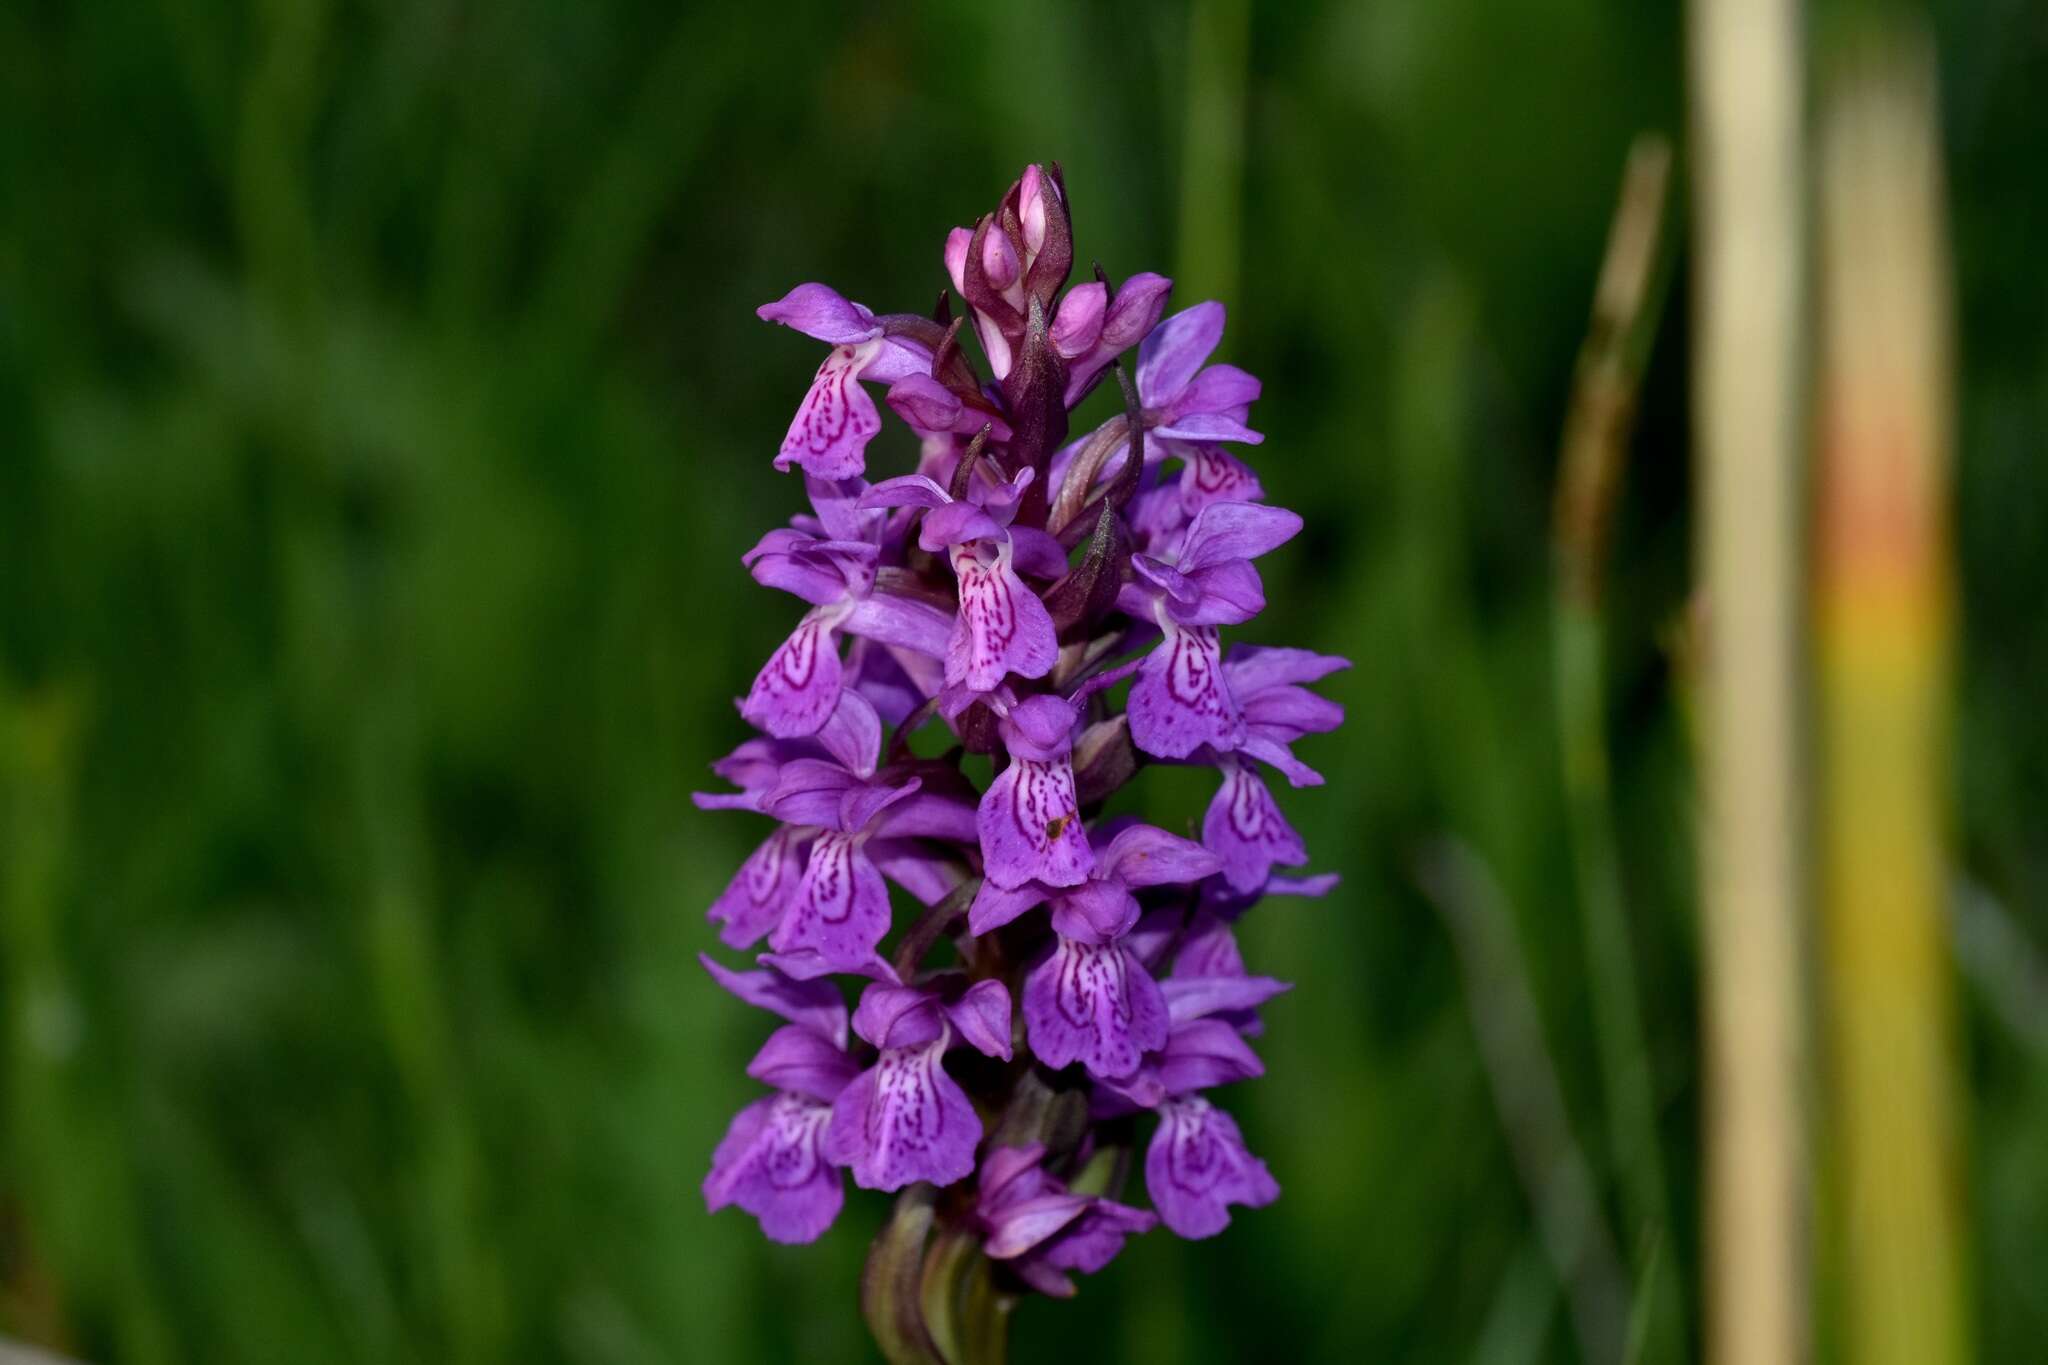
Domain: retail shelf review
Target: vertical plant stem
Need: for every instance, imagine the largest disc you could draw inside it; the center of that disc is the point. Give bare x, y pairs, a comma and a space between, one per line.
1212, 161
1747, 200
1626, 304
1884, 618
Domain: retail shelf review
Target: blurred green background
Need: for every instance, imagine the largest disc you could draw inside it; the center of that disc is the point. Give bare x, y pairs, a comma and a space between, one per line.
382, 417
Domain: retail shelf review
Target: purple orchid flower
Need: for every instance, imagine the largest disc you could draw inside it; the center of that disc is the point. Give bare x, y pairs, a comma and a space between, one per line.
796, 690
1040, 1229
1092, 999
771, 1161
981, 608
857, 826
1184, 399
753, 902
1197, 1164
1002, 626
1209, 979
1093, 328
904, 1118
830, 433
1244, 825
1028, 822
1182, 700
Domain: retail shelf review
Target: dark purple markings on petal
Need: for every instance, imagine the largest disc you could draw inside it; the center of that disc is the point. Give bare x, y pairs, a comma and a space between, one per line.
1214, 475
842, 905
1095, 1004
1197, 1166
771, 1164
832, 428
1002, 628
796, 690
905, 1120
1181, 700
754, 901
1244, 827
1194, 677
1030, 826
988, 622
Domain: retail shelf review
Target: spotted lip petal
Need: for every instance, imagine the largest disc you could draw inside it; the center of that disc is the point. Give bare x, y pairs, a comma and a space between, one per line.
1181, 700
1030, 826
842, 906
1244, 827
904, 1119
797, 690
1094, 1004
829, 435
771, 1164
1197, 1166
1003, 627
752, 904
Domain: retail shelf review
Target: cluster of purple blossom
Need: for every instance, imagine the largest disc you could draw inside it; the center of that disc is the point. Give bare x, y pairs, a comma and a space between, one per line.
1001, 591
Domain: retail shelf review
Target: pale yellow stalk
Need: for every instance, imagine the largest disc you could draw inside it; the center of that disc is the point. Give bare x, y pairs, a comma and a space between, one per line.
1884, 630
1748, 357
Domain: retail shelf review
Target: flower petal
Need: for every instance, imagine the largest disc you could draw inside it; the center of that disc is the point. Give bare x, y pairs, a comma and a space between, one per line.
1135, 310
905, 490
1235, 530
842, 906
1144, 855
904, 1120
1040, 728
853, 735
926, 406
1211, 474
1093, 1240
1017, 1228
1099, 910
1198, 997
799, 1061
1205, 1053
1095, 1004
1218, 388
1180, 701
912, 865
957, 523
897, 1016
1078, 324
753, 902
1030, 826
829, 435
1169, 357
818, 310
1197, 1166
815, 1005
796, 690
1226, 594
1003, 628
1254, 668
994, 906
771, 1165
982, 1015
1246, 830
